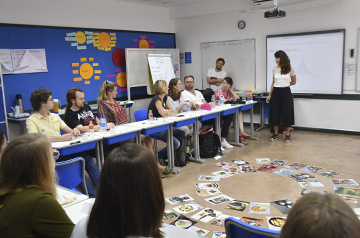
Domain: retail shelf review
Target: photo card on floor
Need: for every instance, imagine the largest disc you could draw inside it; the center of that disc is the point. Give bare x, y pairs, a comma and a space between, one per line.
307, 191
238, 205
179, 199
219, 199
220, 221
349, 182
168, 214
263, 161
283, 206
313, 169
301, 176
252, 221
259, 208
206, 185
221, 174
208, 192
240, 162
284, 172
219, 234
246, 169
186, 208
330, 174
347, 191
268, 168
311, 183
209, 178
295, 165
276, 223
349, 198
199, 231
222, 164
206, 215
278, 162
183, 222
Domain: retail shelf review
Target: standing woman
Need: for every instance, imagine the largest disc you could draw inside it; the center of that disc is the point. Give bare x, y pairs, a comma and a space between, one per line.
227, 91
282, 104
114, 113
27, 191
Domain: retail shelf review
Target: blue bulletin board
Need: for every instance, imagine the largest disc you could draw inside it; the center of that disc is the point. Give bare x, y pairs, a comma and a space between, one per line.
75, 57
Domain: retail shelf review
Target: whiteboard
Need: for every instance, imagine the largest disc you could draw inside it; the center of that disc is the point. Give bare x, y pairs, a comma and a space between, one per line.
317, 57
358, 63
161, 68
240, 61
137, 65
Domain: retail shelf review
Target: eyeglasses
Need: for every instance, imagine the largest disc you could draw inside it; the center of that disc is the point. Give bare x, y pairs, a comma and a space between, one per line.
56, 154
189, 82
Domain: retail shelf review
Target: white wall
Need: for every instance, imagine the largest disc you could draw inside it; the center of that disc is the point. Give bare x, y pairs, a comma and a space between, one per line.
106, 14
191, 31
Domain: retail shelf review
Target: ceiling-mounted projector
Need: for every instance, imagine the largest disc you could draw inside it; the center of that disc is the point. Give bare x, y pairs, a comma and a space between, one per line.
276, 13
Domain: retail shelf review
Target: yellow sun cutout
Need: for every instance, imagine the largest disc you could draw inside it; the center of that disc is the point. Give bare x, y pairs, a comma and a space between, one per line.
121, 79
104, 41
86, 70
80, 37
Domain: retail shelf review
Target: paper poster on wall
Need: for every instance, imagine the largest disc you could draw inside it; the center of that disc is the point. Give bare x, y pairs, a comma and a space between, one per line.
28, 61
161, 67
5, 61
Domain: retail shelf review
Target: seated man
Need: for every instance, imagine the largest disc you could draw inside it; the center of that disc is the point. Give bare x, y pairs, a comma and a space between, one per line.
196, 99
50, 125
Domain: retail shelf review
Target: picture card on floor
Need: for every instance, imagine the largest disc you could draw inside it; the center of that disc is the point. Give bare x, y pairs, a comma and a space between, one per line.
263, 161
295, 165
221, 174
206, 185
221, 164
252, 221
199, 231
349, 198
208, 192
259, 208
179, 199
231, 170
284, 172
209, 178
312, 183
349, 182
301, 176
219, 199
240, 162
238, 205
283, 206
246, 169
220, 221
276, 223
279, 162
219, 234
206, 215
183, 222
217, 157
347, 191
186, 208
168, 214
330, 174
267, 168
313, 169
307, 191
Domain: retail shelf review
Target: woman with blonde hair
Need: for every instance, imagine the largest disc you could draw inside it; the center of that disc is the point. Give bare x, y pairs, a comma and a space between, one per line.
114, 113
27, 191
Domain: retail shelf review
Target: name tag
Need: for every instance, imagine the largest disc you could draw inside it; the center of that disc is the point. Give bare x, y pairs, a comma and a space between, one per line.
43, 131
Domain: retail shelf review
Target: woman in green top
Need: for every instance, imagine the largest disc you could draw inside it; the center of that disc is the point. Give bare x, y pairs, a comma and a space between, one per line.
28, 206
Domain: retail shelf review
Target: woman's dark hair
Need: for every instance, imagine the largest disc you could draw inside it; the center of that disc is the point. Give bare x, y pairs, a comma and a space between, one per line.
321, 215
172, 91
130, 197
284, 61
2, 136
229, 80
39, 96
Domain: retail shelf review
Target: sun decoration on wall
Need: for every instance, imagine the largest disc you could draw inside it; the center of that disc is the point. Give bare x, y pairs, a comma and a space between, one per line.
143, 43
104, 41
86, 70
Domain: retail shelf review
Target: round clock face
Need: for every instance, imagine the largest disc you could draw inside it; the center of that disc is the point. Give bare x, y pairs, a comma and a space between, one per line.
241, 24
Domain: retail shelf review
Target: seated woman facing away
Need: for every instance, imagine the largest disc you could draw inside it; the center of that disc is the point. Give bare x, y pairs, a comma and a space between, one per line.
321, 215
28, 206
2, 141
114, 113
130, 199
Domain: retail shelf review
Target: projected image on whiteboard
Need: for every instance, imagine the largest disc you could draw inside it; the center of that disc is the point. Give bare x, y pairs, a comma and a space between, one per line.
316, 57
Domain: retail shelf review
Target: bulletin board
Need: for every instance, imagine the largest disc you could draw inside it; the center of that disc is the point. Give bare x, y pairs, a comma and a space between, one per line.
76, 57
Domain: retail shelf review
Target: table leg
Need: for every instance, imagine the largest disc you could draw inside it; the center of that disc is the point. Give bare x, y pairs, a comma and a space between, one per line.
170, 149
99, 151
196, 157
218, 131
252, 125
138, 138
236, 130
262, 119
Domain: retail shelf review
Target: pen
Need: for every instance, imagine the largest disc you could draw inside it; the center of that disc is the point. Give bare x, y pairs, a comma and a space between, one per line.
76, 142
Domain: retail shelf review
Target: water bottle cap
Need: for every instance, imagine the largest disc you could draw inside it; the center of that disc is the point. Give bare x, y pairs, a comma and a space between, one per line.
102, 117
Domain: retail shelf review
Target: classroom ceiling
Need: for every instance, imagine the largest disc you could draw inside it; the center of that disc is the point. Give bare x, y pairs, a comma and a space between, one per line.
167, 3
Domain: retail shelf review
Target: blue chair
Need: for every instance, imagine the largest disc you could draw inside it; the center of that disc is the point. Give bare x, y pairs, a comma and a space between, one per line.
141, 115
238, 229
71, 173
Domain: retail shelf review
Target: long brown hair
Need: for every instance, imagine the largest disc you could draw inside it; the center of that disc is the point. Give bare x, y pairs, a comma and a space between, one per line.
105, 87
71, 94
172, 91
321, 215
130, 197
284, 61
27, 162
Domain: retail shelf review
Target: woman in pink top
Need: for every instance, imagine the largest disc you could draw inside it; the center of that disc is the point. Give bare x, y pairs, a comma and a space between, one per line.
113, 112
228, 93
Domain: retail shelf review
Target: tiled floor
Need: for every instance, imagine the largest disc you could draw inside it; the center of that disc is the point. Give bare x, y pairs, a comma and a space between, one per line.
340, 153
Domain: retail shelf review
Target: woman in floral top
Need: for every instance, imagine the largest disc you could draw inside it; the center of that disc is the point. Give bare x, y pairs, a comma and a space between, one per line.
113, 112
228, 93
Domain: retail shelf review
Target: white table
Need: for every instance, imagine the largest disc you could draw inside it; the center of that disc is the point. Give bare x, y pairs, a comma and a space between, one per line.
65, 193
119, 134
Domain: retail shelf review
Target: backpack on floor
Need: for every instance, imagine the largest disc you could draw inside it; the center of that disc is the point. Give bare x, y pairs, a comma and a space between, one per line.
209, 143
180, 153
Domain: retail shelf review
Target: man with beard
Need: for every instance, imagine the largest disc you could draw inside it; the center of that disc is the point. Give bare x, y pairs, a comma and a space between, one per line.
78, 115
216, 75
50, 124
194, 96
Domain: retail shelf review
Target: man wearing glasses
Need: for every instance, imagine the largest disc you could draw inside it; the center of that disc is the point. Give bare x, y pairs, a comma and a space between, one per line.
50, 124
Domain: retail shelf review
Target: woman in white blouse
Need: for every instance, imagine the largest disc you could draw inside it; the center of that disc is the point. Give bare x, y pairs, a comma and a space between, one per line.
282, 105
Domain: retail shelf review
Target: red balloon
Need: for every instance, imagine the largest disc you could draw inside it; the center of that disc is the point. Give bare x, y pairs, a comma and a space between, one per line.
118, 57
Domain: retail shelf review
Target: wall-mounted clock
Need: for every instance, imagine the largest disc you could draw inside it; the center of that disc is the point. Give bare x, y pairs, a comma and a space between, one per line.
241, 24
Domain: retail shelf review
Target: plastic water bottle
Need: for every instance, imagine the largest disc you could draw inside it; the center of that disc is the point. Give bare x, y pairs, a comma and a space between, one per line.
187, 106
251, 96
222, 101
91, 128
103, 123
151, 116
213, 99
